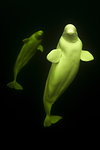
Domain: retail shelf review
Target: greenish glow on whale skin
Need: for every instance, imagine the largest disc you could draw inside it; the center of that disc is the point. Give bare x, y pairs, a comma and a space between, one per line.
28, 50
65, 61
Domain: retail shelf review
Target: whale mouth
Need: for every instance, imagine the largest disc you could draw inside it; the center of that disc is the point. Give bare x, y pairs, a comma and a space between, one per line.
70, 31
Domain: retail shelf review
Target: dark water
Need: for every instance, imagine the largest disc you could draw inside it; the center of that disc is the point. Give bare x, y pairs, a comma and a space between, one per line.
79, 105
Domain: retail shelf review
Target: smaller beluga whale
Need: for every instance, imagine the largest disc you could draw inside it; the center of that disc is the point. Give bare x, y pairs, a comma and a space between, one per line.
65, 61
28, 50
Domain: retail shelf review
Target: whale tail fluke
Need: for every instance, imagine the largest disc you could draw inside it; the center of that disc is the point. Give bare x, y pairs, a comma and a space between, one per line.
49, 120
15, 85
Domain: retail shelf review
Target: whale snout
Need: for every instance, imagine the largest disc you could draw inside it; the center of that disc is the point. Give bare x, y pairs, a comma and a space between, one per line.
70, 33
39, 34
70, 29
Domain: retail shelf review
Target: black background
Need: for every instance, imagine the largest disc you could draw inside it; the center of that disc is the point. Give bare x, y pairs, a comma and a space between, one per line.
79, 105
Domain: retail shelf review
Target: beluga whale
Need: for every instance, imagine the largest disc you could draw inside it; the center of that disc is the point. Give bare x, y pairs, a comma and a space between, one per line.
65, 61
28, 50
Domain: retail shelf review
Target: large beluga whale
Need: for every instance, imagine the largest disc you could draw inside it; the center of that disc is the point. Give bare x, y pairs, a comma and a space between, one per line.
65, 61
28, 50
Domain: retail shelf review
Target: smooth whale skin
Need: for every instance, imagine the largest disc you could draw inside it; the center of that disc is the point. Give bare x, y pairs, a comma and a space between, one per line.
65, 61
28, 50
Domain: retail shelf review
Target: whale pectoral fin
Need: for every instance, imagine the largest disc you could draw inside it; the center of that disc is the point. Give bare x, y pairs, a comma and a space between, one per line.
26, 40
86, 56
40, 47
54, 56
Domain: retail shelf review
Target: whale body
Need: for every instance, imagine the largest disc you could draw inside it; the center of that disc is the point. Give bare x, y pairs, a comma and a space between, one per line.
28, 50
65, 61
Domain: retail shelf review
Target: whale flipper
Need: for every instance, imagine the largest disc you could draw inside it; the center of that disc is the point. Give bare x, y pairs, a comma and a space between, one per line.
86, 56
54, 56
26, 40
49, 120
40, 47
15, 85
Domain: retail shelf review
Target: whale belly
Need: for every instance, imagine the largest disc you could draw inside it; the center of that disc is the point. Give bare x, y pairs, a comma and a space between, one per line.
59, 78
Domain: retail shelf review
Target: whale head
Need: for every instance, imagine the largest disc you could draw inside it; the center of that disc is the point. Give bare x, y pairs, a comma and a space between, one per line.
39, 35
70, 33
